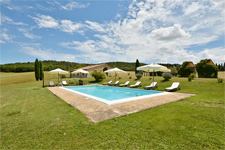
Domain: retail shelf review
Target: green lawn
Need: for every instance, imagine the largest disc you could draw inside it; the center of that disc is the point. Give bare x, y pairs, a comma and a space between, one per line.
33, 118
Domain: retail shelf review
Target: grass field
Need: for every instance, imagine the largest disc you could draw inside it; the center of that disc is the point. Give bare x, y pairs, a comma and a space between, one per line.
33, 118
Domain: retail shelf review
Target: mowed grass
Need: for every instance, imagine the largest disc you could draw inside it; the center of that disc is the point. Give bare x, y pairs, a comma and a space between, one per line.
33, 118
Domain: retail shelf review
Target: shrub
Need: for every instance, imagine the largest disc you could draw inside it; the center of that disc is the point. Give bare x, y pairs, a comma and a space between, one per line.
71, 82
174, 71
186, 69
206, 69
220, 80
80, 82
98, 76
63, 76
138, 75
167, 76
191, 77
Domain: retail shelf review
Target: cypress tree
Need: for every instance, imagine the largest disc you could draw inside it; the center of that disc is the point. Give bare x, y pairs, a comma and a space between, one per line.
41, 77
36, 69
137, 64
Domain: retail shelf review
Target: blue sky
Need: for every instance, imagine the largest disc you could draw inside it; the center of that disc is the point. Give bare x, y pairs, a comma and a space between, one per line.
154, 31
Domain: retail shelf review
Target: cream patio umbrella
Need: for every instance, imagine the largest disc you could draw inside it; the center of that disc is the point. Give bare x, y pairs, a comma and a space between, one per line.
80, 71
115, 71
59, 71
153, 68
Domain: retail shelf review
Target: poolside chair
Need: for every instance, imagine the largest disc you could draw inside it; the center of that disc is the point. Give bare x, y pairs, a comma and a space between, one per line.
151, 86
175, 86
125, 84
137, 84
64, 83
108, 83
51, 83
116, 83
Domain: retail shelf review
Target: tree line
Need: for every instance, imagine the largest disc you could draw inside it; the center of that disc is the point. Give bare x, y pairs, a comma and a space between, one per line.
205, 68
47, 66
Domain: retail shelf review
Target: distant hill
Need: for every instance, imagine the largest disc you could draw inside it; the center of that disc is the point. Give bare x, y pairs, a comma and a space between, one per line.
51, 64
47, 64
127, 66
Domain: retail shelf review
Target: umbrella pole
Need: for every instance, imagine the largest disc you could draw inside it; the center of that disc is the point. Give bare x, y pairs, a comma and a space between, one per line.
153, 74
58, 78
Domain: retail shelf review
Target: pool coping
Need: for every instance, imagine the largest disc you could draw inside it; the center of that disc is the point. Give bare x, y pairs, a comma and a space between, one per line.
97, 111
116, 101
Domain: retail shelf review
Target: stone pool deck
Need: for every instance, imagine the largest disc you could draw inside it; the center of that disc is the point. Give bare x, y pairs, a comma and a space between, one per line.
98, 111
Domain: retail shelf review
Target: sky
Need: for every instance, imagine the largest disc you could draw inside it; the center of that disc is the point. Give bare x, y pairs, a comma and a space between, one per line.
97, 31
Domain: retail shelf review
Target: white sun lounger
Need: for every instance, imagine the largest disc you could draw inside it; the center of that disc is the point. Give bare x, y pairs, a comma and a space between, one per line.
125, 84
175, 86
152, 85
137, 84
108, 83
64, 83
116, 83
51, 83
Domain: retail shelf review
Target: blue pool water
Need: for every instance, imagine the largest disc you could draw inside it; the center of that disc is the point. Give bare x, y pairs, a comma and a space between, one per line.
110, 93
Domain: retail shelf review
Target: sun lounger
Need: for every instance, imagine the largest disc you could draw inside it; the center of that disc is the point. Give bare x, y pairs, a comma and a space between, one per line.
151, 86
51, 83
125, 84
137, 84
109, 83
64, 83
116, 83
175, 86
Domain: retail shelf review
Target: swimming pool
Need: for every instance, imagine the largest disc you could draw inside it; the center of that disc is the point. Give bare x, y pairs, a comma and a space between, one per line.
112, 94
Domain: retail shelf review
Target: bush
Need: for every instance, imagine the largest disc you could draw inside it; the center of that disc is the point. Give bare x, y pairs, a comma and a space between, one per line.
206, 69
98, 76
220, 80
80, 82
63, 76
138, 75
174, 71
186, 69
191, 77
167, 76
71, 82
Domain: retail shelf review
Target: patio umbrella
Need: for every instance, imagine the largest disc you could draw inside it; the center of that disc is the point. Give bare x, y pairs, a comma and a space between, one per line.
153, 68
115, 71
59, 71
80, 71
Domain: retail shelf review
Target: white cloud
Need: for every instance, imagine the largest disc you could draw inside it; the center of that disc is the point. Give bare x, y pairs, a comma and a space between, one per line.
47, 54
69, 26
156, 31
46, 21
153, 31
218, 54
6, 20
192, 8
50, 22
73, 5
28, 33
95, 26
169, 33
5, 37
